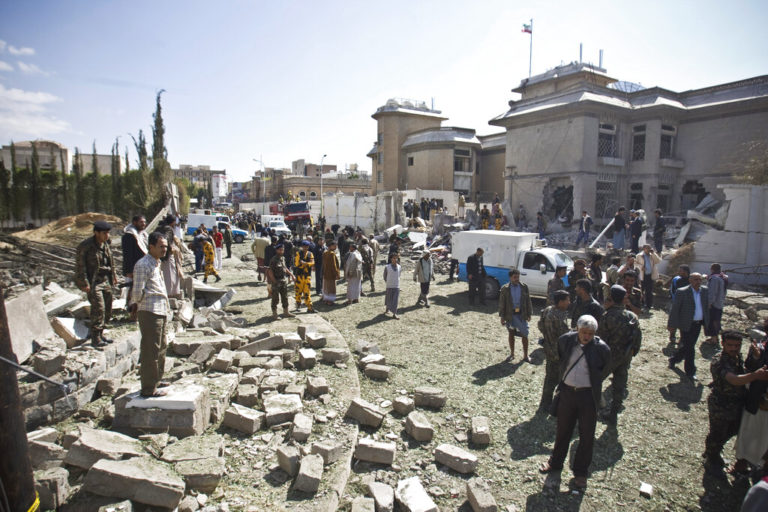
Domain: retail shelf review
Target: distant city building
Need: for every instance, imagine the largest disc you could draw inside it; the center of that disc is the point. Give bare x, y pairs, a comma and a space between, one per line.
219, 187
200, 175
275, 183
302, 168
50, 154
103, 163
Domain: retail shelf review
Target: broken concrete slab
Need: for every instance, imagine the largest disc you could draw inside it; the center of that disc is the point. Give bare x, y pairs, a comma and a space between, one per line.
93, 445
194, 448
72, 330
383, 496
244, 419
302, 427
301, 331
202, 475
202, 354
481, 430
377, 371
184, 411
374, 451
141, 479
45, 434
456, 458
363, 504
57, 299
45, 455
412, 497
223, 360
334, 355
270, 343
426, 396
52, 486
418, 427
307, 358
292, 340
317, 386
49, 362
329, 450
185, 346
371, 359
281, 408
480, 497
27, 321
288, 459
247, 395
310, 474
403, 405
107, 386
315, 340
365, 413
295, 389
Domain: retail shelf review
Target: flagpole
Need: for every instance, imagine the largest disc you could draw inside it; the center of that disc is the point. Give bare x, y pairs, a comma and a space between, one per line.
530, 50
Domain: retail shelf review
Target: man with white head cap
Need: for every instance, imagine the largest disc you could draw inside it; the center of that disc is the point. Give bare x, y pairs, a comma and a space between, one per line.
424, 272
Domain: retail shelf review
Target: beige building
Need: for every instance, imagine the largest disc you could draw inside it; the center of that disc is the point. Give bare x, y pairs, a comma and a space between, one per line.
281, 182
200, 175
103, 164
50, 154
303, 168
579, 139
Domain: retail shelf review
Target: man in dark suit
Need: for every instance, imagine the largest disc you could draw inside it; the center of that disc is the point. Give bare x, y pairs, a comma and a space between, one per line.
476, 276
635, 230
690, 310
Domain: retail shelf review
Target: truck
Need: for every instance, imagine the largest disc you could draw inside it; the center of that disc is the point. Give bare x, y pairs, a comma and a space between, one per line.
214, 219
294, 212
505, 250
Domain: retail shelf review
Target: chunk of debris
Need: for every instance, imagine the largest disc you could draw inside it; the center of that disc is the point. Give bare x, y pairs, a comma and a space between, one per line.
480, 498
310, 474
141, 479
374, 451
481, 430
329, 450
383, 495
456, 458
418, 427
365, 413
411, 496
244, 419
426, 396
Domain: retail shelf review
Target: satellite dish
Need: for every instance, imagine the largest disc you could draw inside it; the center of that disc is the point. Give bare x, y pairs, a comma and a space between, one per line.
625, 86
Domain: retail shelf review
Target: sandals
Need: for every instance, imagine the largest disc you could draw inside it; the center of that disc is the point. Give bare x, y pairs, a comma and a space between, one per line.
156, 394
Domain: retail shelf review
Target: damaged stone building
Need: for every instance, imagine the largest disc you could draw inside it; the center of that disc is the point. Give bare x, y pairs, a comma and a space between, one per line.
579, 139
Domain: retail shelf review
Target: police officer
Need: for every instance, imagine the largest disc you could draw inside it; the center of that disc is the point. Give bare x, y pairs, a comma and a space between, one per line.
726, 401
277, 276
95, 275
620, 329
553, 323
303, 264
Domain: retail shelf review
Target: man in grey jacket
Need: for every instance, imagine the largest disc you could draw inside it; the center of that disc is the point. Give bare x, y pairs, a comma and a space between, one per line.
717, 290
690, 311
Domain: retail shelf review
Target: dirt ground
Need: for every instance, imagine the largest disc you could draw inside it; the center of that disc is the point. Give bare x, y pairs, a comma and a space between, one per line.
461, 349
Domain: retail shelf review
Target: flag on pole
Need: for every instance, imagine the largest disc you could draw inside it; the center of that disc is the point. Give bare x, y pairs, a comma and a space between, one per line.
527, 28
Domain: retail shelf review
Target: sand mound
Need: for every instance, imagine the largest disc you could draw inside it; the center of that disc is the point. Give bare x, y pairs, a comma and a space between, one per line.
70, 230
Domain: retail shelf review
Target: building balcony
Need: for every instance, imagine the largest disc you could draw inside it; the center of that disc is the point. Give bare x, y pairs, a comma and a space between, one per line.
671, 162
610, 161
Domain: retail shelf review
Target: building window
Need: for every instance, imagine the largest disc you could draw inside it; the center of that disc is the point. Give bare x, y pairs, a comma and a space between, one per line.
410, 161
605, 195
313, 194
662, 197
381, 158
636, 196
461, 160
638, 142
380, 139
606, 142
302, 194
667, 147
379, 176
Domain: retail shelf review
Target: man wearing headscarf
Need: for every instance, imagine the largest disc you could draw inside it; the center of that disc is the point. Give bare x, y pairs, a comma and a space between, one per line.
424, 272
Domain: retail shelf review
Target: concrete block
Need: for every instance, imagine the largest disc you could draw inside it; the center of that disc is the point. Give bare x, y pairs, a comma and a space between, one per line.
27, 321
426, 396
402, 405
288, 459
307, 358
201, 475
456, 458
189, 504
329, 450
184, 411
44, 455
481, 430
247, 395
374, 451
302, 427
377, 371
223, 360
81, 310
72, 330
315, 340
121, 506
107, 386
49, 362
271, 343
93, 445
310, 474
301, 331
186, 346
256, 335
363, 504
365, 413
186, 312
276, 380
383, 496
57, 299
202, 354
480, 498
52, 486
371, 359
45, 434
194, 448
281, 408
317, 386
292, 340
364, 348
253, 376
142, 480
335, 355
244, 419
412, 497
418, 427
295, 389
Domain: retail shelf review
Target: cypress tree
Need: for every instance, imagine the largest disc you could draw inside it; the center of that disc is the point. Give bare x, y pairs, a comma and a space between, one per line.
116, 178
35, 199
15, 187
5, 186
64, 188
53, 188
159, 151
95, 180
79, 183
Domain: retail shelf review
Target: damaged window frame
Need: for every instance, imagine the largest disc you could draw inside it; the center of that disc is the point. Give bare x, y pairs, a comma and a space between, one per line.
606, 141
667, 142
638, 142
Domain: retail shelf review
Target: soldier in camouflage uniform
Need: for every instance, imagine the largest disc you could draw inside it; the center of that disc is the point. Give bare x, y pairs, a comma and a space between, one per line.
278, 274
726, 401
95, 275
556, 283
621, 331
635, 295
553, 323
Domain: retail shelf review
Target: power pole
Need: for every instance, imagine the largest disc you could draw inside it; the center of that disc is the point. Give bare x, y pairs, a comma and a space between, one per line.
15, 467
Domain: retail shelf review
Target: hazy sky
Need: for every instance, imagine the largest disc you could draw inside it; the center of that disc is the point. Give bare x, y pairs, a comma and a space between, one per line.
298, 79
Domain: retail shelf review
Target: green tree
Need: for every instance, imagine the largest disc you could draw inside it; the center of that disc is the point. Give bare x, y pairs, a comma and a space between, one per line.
95, 180
5, 187
64, 187
141, 151
79, 183
159, 152
16, 189
117, 191
35, 196
751, 163
52, 188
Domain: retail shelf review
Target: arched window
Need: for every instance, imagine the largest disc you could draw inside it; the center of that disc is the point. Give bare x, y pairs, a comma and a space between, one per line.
302, 194
313, 194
